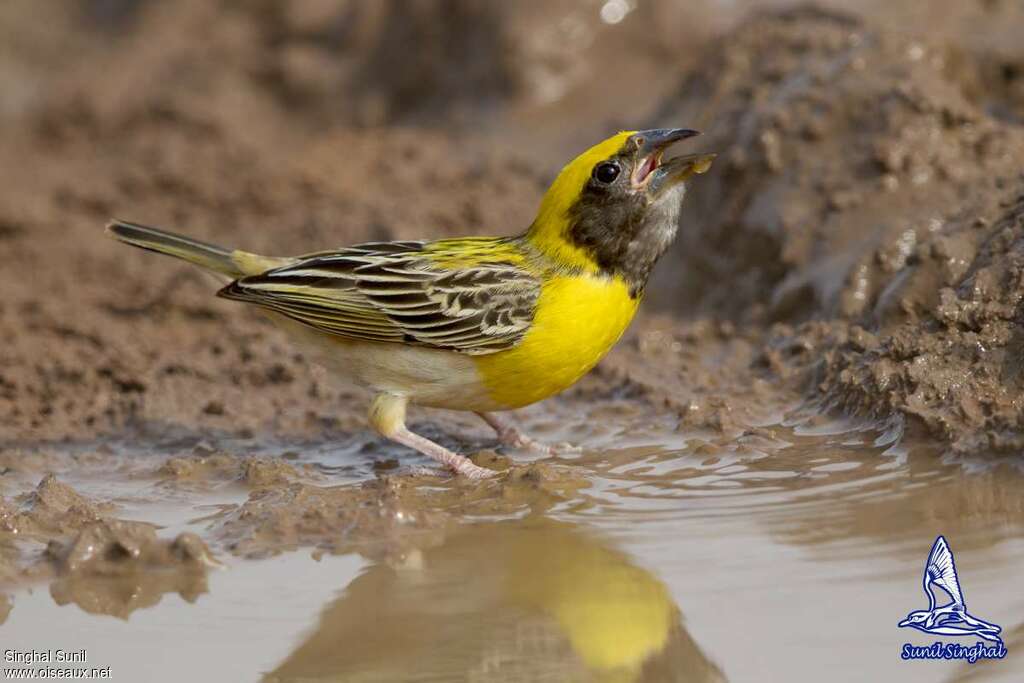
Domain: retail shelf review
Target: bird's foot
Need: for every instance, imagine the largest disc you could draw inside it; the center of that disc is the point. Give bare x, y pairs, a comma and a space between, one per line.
387, 414
451, 462
471, 472
518, 439
469, 469
510, 435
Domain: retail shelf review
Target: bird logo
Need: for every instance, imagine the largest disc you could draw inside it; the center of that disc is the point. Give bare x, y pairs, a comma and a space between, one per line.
951, 619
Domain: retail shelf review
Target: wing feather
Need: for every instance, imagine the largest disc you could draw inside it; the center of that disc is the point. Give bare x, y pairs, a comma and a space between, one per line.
472, 296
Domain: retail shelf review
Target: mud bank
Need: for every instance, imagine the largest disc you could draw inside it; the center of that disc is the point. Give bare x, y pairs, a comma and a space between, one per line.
869, 199
119, 519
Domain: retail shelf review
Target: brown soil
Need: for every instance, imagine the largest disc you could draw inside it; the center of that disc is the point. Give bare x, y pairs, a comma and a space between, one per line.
866, 187
858, 242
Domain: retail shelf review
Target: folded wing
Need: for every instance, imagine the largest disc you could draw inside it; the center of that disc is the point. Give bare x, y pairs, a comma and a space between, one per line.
470, 296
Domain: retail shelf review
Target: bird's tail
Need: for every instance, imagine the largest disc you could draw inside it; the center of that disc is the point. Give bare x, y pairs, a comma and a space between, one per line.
231, 263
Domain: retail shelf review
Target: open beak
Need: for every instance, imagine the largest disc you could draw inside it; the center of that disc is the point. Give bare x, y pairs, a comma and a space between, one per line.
656, 175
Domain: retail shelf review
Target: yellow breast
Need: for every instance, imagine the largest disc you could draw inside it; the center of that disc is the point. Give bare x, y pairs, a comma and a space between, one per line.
579, 318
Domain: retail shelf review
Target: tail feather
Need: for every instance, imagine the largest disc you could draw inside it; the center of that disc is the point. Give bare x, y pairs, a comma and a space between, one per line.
231, 263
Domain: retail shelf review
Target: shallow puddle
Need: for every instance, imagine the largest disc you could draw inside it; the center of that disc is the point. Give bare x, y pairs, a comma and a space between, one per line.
787, 553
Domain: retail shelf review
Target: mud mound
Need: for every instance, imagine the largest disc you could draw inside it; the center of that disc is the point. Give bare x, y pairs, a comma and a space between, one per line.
116, 567
112, 547
103, 564
51, 510
206, 465
959, 369
862, 186
852, 172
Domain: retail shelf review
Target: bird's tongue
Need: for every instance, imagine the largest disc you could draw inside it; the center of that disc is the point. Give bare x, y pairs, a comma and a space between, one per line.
650, 163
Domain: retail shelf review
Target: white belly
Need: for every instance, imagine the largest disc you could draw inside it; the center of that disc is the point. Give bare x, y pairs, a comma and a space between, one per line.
428, 377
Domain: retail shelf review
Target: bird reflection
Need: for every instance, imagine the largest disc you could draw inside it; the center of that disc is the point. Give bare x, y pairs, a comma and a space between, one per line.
519, 600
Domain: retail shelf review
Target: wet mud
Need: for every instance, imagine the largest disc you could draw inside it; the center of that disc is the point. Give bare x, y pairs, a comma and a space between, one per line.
826, 372
869, 203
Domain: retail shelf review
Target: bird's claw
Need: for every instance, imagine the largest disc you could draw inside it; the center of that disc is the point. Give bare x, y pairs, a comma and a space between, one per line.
472, 471
516, 439
466, 469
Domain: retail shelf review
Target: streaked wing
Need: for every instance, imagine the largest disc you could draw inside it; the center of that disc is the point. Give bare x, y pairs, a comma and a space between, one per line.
468, 296
942, 571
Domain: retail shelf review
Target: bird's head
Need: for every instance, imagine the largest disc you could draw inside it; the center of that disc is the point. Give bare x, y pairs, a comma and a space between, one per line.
916, 618
615, 208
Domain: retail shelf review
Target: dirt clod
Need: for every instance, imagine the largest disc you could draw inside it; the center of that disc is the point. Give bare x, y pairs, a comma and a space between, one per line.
116, 567
53, 508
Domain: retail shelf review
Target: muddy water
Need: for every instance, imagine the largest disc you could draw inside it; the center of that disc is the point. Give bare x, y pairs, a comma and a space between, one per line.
786, 553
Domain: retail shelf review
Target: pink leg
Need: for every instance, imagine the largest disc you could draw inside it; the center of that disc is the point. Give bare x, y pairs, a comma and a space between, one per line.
387, 415
459, 463
510, 435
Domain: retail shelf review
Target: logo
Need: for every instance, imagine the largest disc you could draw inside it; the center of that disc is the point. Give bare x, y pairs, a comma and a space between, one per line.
950, 619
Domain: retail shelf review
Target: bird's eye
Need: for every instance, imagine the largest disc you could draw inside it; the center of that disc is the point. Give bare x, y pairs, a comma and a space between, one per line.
606, 172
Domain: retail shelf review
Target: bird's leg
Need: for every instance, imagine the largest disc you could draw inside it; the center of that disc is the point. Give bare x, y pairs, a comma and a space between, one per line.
510, 435
387, 415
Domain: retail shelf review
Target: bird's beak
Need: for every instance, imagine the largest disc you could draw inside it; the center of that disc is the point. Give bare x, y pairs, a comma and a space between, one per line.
657, 139
678, 169
654, 174
905, 622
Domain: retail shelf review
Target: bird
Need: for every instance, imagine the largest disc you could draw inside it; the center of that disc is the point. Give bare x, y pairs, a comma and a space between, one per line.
480, 324
952, 618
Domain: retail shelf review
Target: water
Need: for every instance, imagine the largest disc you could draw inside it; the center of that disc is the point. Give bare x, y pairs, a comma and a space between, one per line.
788, 553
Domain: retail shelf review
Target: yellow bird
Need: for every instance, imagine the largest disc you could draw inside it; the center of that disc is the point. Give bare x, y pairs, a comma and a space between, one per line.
480, 324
